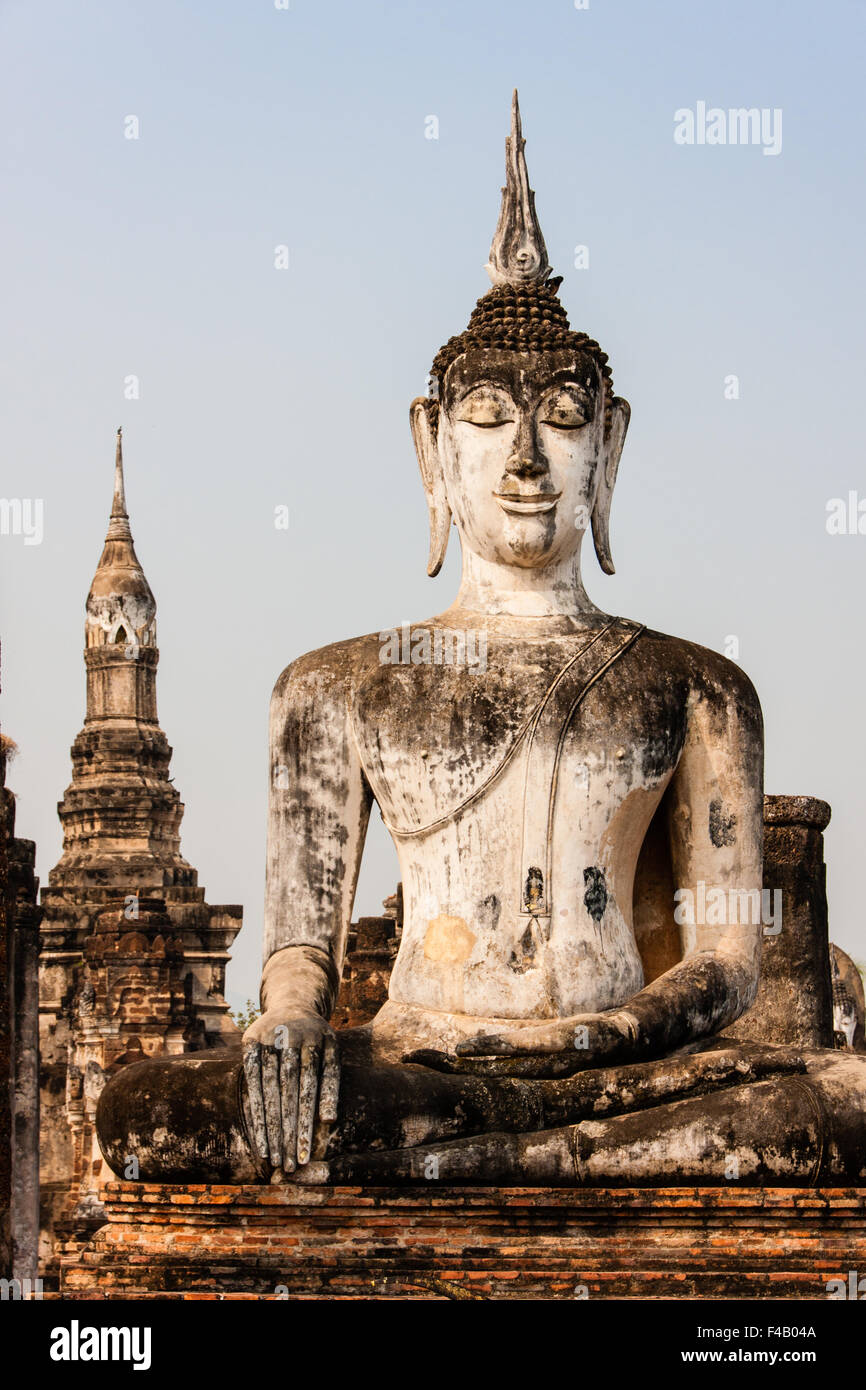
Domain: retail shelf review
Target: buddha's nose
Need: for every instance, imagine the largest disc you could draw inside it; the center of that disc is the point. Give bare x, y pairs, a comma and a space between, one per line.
526, 459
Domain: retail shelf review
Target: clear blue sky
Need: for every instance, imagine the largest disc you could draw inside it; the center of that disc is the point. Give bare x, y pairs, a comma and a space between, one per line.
306, 127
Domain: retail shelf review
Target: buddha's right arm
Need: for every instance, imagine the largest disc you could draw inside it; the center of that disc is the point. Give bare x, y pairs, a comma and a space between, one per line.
318, 810
319, 806
299, 979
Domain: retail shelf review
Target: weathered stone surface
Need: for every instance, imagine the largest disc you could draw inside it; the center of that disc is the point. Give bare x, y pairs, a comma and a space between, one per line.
849, 1002
271, 1242
794, 1000
19, 1091
6, 815
371, 949
734, 1112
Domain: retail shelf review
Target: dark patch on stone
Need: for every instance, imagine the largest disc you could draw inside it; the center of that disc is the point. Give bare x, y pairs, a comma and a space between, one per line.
595, 897
523, 957
659, 754
533, 890
488, 911
721, 826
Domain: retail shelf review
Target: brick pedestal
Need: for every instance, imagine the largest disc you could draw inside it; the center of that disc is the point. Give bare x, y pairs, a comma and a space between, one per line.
200, 1241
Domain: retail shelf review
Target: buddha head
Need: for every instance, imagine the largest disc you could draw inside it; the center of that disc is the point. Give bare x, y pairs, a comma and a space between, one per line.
520, 440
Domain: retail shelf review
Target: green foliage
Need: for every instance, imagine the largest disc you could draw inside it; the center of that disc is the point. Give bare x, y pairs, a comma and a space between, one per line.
247, 1015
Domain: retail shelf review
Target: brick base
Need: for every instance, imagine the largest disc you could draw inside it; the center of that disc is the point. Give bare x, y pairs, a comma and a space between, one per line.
200, 1241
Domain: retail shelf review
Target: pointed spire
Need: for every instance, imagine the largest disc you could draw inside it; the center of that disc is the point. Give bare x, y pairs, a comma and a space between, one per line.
119, 504
120, 596
518, 255
118, 526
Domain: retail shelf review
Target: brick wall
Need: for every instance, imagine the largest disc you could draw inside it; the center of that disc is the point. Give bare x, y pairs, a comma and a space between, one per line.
294, 1241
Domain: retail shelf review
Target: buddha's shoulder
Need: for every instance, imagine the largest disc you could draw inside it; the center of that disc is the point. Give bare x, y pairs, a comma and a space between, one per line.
327, 672
705, 672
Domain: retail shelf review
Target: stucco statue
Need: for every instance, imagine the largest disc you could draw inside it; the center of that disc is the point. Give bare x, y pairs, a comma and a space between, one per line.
550, 1019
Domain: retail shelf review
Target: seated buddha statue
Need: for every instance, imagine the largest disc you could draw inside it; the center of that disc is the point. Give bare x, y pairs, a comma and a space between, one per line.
549, 1018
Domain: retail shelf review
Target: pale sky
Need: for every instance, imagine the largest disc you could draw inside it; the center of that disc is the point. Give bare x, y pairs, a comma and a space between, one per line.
260, 127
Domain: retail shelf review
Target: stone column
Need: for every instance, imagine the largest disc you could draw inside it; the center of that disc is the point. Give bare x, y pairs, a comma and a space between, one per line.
19, 1055
7, 812
371, 951
25, 1060
795, 1001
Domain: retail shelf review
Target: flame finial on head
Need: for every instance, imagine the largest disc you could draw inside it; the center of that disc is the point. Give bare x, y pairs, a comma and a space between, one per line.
518, 255
521, 312
118, 528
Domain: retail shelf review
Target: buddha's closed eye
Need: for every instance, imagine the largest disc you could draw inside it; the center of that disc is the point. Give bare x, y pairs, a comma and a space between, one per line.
574, 421
486, 410
565, 411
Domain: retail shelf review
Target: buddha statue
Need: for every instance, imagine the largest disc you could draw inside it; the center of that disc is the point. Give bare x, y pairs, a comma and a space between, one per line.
550, 1018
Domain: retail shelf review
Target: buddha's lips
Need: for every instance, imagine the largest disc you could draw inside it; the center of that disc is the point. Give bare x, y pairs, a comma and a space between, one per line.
527, 504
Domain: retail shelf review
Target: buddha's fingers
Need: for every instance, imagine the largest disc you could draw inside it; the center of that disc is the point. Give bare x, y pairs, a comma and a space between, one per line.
271, 1093
289, 1081
253, 1075
435, 1060
329, 1092
512, 1042
311, 1060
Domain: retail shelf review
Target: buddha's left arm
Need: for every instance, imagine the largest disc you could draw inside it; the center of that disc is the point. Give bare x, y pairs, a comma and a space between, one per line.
715, 820
715, 805
716, 823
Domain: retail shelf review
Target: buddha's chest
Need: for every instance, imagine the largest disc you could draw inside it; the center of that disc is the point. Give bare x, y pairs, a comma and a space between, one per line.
562, 720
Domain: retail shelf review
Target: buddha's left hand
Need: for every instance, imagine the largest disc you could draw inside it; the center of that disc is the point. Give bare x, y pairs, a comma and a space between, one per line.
594, 1038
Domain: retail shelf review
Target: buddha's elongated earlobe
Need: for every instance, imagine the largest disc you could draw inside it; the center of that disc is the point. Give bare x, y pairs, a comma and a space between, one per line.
434, 483
611, 453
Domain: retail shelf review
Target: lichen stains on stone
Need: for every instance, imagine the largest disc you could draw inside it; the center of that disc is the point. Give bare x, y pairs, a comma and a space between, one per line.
448, 940
595, 896
722, 825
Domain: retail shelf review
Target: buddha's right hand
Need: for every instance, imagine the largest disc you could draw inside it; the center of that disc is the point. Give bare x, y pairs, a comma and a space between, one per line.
292, 1070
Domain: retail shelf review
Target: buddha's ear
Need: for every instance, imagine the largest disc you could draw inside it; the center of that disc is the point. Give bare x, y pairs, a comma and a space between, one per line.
434, 483
610, 456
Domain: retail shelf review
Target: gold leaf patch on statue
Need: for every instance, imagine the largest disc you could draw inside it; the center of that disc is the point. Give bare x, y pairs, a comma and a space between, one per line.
448, 939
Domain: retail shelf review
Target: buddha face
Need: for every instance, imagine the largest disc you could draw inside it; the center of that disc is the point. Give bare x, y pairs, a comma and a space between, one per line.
521, 459
520, 440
